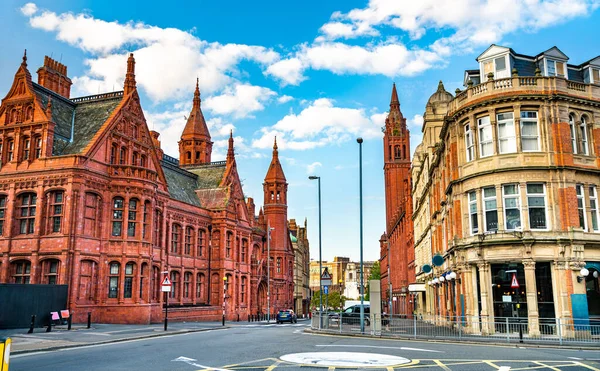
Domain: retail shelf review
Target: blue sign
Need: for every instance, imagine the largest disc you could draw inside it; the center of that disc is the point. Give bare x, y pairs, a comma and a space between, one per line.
437, 260
326, 290
426, 268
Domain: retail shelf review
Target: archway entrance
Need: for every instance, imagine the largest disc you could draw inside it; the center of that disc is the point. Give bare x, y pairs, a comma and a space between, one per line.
261, 298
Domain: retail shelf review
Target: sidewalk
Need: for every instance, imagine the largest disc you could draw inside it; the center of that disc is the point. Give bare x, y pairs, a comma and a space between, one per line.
80, 335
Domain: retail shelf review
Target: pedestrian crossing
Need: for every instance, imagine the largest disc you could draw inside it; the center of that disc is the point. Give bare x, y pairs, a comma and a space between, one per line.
264, 324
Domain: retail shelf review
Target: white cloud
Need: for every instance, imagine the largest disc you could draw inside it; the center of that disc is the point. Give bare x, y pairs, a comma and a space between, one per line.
178, 55
29, 9
416, 123
284, 99
319, 124
289, 71
240, 100
310, 169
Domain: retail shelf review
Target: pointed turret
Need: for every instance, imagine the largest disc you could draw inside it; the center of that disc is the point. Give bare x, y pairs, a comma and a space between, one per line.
195, 147
394, 102
275, 173
130, 84
230, 152
395, 122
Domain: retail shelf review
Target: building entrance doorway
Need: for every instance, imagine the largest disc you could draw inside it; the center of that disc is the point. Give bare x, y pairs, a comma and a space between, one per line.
509, 301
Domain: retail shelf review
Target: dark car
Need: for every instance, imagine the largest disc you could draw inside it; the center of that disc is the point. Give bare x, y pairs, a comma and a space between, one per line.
351, 315
286, 315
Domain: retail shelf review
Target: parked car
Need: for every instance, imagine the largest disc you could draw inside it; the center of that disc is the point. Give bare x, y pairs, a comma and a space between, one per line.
351, 315
286, 315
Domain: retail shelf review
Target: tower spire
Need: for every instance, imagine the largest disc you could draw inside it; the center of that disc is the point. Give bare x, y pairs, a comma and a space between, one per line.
394, 102
197, 94
230, 152
195, 146
24, 63
130, 84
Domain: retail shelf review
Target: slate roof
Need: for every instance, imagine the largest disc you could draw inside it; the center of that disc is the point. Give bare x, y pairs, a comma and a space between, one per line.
210, 175
181, 183
62, 110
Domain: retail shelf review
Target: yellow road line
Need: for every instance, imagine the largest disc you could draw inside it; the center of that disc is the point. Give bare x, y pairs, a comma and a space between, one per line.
390, 369
587, 366
272, 367
492, 364
331, 368
443, 366
548, 366
256, 360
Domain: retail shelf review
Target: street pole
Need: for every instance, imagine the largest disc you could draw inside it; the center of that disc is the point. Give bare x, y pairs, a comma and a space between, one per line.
362, 282
224, 296
318, 178
167, 303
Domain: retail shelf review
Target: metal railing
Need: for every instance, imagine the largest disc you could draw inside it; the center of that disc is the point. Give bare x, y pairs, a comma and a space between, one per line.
496, 329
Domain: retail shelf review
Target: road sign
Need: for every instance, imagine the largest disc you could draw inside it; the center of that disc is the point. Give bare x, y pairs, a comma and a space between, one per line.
514, 283
166, 284
326, 290
325, 278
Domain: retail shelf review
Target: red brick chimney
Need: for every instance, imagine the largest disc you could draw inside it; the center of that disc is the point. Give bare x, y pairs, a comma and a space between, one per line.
53, 76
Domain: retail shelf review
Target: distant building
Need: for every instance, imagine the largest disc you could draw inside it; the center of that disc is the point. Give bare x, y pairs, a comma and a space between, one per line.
299, 237
505, 191
352, 279
345, 276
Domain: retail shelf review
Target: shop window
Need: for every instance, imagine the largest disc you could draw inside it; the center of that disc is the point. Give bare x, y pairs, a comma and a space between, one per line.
128, 284
132, 217
175, 238
21, 271
507, 138
117, 219
2, 213
594, 208
508, 301
529, 131
50, 271
486, 145
187, 281
512, 206
536, 203
581, 207
189, 238
490, 209
474, 223
113, 280
26, 214
469, 143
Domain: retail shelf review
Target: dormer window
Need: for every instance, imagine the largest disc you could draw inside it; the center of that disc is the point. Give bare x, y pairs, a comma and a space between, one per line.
595, 74
555, 68
498, 66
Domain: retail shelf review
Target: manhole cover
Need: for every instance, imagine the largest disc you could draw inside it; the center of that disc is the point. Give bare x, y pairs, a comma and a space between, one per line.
348, 359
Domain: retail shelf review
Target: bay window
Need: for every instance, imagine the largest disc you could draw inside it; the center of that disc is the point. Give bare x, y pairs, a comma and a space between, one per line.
473, 212
490, 209
486, 146
470, 148
594, 208
536, 203
512, 206
581, 207
507, 140
529, 131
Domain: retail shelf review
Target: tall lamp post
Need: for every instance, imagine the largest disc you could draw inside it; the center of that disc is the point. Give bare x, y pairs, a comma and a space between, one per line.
318, 178
224, 297
362, 282
269, 229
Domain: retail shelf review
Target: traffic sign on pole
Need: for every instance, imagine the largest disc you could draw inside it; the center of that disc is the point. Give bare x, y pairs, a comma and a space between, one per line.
325, 278
326, 290
166, 284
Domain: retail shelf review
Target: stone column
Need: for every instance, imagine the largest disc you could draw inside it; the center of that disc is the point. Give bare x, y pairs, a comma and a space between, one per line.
532, 303
487, 309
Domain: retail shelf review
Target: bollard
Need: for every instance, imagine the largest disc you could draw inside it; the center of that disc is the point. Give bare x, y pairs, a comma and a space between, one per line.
5, 344
89, 324
31, 325
238, 317
520, 333
49, 329
223, 320
69, 321
248, 318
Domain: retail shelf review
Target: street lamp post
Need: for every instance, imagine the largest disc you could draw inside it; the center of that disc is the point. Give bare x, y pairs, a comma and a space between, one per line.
167, 293
269, 229
362, 282
224, 297
318, 178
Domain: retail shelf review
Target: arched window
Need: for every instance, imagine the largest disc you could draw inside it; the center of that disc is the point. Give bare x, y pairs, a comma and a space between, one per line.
197, 155
397, 153
88, 281
175, 238
134, 131
200, 283
113, 280
26, 148
2, 213
158, 228
404, 151
128, 286
26, 214
188, 155
54, 211
216, 248
123, 156
21, 271
155, 284
113, 154
135, 159
187, 281
143, 161
214, 288
174, 294
10, 147
49, 271
189, 240
583, 138
117, 219
37, 140
201, 236
132, 217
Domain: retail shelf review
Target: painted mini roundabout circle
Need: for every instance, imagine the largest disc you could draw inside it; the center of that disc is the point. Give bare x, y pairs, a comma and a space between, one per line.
345, 359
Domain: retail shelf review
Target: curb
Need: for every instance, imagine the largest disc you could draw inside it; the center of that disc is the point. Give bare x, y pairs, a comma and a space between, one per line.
454, 341
54, 348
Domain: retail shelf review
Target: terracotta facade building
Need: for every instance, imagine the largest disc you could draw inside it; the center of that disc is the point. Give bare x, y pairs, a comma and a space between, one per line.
506, 192
396, 244
89, 199
302, 296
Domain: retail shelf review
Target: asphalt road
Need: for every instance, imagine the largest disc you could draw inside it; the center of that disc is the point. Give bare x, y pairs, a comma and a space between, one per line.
257, 347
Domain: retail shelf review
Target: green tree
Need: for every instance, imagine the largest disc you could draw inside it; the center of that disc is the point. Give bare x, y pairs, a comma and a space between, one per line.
375, 275
334, 300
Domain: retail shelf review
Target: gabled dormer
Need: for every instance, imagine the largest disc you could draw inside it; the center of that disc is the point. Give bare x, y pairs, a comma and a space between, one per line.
591, 71
497, 60
553, 62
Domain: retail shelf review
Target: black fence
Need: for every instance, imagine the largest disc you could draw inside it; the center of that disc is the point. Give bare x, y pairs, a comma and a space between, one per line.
18, 302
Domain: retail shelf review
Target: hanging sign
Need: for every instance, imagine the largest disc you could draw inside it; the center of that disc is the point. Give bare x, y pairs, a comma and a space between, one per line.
514, 284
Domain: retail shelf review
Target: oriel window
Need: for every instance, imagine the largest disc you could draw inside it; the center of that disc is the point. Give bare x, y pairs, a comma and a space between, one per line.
117, 222
132, 217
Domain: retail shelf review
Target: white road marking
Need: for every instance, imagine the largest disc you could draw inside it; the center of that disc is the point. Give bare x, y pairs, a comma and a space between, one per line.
348, 359
96, 333
504, 368
381, 347
191, 362
576, 358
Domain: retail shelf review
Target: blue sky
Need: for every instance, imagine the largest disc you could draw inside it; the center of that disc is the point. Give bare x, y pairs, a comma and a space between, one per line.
317, 74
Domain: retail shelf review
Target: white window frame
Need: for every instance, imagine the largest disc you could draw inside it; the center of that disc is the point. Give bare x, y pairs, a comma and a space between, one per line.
573, 133
553, 62
537, 130
469, 143
593, 80
505, 199
482, 126
485, 210
579, 190
506, 122
498, 74
472, 202
594, 209
529, 207
584, 136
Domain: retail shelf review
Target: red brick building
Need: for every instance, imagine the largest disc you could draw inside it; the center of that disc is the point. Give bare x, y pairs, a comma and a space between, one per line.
396, 244
89, 199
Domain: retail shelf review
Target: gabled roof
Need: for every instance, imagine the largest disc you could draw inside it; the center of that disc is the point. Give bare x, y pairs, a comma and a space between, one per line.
553, 52
493, 50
